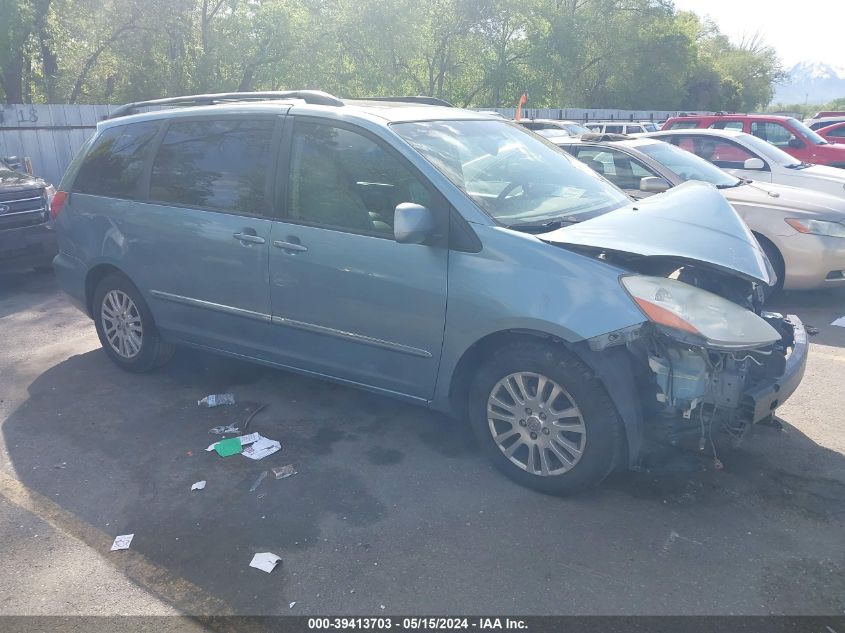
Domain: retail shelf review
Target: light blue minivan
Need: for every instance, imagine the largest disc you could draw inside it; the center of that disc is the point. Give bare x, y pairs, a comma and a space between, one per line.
428, 253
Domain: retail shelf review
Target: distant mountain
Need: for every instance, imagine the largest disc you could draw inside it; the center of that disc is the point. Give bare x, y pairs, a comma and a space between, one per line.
813, 82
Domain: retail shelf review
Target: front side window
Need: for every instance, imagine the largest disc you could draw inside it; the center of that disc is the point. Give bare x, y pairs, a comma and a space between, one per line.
515, 177
343, 180
217, 164
687, 165
773, 133
115, 163
837, 133
806, 132
720, 152
618, 167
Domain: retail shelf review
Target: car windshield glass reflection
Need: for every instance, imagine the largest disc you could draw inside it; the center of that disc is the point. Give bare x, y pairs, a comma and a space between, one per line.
512, 174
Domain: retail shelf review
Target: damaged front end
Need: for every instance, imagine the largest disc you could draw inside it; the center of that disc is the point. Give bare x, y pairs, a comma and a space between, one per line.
707, 357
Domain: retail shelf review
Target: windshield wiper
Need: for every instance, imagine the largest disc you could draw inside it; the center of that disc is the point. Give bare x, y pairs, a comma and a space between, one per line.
542, 227
736, 184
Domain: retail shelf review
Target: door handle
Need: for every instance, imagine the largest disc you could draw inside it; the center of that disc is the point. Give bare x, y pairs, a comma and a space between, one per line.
290, 246
246, 237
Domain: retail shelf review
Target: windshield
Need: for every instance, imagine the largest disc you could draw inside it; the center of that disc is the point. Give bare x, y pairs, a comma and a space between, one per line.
809, 134
513, 175
768, 151
574, 129
687, 165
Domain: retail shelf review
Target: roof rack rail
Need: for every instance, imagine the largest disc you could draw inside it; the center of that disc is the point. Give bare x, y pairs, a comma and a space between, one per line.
421, 99
315, 97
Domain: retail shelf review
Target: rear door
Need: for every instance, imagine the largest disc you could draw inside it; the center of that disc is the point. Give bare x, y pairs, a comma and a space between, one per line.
198, 246
348, 301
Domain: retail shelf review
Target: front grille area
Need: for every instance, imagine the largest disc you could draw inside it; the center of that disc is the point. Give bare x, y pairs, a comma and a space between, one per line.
22, 208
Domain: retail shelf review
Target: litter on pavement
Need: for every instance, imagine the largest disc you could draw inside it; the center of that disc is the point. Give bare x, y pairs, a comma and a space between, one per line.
840, 322
254, 412
261, 448
122, 542
258, 481
216, 400
282, 472
234, 442
199, 485
224, 430
232, 446
265, 561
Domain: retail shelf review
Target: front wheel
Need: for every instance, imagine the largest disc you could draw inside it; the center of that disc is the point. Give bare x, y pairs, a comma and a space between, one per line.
544, 419
125, 326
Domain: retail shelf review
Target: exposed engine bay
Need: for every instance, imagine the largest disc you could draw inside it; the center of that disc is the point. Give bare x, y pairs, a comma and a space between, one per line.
694, 390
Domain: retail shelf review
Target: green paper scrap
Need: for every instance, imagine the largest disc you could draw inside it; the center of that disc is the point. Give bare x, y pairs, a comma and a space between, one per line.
231, 446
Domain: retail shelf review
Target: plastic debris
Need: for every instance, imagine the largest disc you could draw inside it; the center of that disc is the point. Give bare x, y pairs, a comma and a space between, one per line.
283, 472
61, 465
225, 448
258, 481
224, 430
812, 330
199, 485
216, 400
265, 561
261, 448
291, 605
242, 439
122, 542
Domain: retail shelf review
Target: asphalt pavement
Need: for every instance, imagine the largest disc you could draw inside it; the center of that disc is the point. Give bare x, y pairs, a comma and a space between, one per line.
393, 509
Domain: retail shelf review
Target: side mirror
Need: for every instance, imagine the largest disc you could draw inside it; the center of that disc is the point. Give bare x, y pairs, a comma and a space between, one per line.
795, 143
412, 223
654, 184
755, 164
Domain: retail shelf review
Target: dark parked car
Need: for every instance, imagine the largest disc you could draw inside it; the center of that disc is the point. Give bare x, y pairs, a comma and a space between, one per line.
26, 231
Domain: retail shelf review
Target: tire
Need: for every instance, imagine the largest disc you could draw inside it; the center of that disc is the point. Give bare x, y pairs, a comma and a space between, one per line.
776, 259
595, 429
120, 312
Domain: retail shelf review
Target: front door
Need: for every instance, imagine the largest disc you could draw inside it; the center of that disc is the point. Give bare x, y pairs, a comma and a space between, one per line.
347, 300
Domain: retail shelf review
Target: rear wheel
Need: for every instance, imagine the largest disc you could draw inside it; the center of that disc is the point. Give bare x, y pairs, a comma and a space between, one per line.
125, 326
544, 419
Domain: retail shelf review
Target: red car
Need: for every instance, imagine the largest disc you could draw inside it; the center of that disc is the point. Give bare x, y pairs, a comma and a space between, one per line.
833, 133
784, 132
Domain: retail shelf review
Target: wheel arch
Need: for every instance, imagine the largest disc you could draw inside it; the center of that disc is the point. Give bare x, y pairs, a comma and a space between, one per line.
93, 277
612, 367
770, 248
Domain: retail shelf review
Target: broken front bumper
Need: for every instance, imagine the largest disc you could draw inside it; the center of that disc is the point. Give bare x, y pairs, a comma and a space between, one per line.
763, 398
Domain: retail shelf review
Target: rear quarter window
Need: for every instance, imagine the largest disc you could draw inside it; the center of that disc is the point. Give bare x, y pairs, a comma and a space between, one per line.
115, 163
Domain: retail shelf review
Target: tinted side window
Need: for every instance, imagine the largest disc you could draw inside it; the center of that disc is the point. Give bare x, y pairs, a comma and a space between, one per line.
837, 133
343, 180
726, 125
683, 125
613, 129
215, 164
774, 133
115, 163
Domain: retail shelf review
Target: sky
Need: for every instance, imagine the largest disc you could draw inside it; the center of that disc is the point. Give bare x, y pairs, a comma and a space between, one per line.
799, 31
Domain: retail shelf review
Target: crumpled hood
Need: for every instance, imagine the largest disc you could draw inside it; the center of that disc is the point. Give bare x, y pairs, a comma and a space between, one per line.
10, 179
691, 222
786, 198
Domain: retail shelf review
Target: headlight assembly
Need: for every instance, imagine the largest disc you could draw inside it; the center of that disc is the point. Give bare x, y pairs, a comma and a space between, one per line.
817, 227
696, 315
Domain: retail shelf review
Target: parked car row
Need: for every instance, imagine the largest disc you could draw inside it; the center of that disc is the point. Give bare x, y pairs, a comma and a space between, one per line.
800, 230
445, 257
